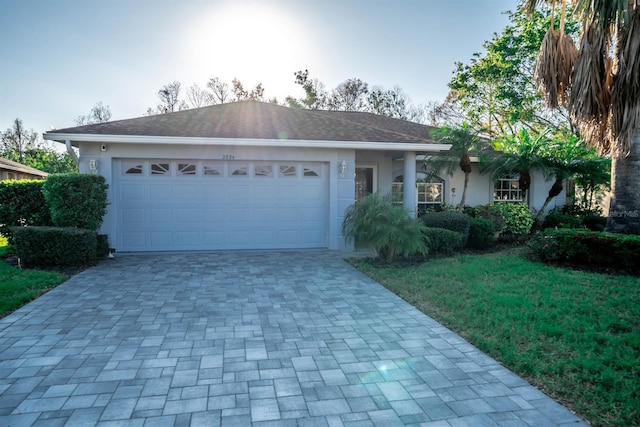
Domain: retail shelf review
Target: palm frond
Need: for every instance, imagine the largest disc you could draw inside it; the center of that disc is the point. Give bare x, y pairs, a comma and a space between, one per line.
592, 78
606, 13
555, 61
625, 105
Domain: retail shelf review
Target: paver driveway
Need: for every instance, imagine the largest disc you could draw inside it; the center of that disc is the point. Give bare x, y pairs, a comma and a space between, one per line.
242, 338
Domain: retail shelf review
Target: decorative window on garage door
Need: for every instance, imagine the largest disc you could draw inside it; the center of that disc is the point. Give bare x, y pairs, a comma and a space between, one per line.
160, 168
239, 170
186, 168
311, 170
263, 170
132, 168
288, 171
213, 169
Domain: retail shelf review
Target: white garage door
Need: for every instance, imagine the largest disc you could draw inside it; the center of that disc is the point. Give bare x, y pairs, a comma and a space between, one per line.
199, 205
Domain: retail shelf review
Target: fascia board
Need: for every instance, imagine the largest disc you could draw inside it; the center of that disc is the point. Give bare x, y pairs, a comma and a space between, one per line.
141, 139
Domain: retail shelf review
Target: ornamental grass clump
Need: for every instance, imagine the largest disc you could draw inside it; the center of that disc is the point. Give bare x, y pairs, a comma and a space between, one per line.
375, 223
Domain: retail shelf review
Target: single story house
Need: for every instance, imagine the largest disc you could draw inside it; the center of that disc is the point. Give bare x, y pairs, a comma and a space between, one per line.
14, 170
254, 175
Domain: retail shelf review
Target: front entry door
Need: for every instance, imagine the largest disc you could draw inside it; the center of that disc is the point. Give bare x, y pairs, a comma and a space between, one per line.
366, 180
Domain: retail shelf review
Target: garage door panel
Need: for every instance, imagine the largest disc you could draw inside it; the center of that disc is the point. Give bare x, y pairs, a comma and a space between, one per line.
213, 239
186, 216
308, 237
160, 239
311, 214
132, 192
212, 215
238, 215
158, 193
133, 216
160, 216
264, 237
186, 239
134, 240
221, 211
212, 190
188, 193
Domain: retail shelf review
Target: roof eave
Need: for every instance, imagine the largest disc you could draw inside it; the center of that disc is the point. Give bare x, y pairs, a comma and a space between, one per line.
288, 143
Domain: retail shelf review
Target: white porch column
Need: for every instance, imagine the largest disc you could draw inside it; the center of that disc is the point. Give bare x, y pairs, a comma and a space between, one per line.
409, 186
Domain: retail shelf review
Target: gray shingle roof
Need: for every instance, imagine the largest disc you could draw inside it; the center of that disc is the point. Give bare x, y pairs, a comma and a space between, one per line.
259, 120
9, 165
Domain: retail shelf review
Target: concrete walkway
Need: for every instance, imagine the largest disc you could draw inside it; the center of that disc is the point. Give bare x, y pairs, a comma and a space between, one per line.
247, 338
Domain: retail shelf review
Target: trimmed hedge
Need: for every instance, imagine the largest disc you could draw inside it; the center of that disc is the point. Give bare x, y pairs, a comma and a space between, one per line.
589, 248
566, 217
55, 246
76, 200
481, 234
22, 203
440, 241
102, 246
453, 221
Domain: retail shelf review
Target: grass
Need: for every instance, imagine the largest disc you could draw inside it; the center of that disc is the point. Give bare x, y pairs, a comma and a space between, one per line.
18, 287
573, 334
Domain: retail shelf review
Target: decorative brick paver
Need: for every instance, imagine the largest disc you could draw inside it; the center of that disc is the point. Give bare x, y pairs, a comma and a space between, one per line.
272, 338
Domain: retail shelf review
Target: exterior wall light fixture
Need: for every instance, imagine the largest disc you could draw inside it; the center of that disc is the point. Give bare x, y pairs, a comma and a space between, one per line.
343, 169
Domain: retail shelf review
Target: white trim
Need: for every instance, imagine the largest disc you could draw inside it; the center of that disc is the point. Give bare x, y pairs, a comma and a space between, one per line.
142, 139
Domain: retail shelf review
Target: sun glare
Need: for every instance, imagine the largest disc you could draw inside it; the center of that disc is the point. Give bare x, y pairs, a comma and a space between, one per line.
254, 42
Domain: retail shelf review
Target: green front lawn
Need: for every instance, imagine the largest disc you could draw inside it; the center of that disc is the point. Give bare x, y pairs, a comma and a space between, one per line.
18, 287
573, 334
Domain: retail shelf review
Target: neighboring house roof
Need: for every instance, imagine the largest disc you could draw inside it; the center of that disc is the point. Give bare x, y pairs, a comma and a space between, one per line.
259, 121
9, 165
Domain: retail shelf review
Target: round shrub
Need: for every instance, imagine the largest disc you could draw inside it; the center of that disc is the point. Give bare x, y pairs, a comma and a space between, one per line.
76, 200
440, 241
486, 212
453, 221
481, 234
516, 217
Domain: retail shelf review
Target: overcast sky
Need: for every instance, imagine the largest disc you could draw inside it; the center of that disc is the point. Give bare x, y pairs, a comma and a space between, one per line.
59, 58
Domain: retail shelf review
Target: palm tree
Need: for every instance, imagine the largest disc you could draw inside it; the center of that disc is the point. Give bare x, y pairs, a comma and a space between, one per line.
567, 159
464, 140
521, 154
603, 90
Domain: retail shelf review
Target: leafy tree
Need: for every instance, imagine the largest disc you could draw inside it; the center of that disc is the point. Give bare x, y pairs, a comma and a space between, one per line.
355, 95
47, 159
25, 147
17, 140
99, 113
496, 88
603, 91
464, 140
394, 103
350, 95
241, 94
315, 93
